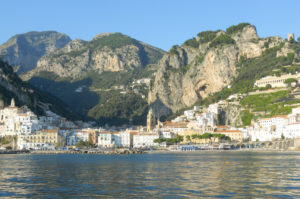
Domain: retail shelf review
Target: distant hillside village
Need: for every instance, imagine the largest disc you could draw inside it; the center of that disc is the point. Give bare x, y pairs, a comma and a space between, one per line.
199, 125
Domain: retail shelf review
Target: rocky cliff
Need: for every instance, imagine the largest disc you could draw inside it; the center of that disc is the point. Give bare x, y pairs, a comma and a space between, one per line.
97, 78
24, 50
106, 52
203, 66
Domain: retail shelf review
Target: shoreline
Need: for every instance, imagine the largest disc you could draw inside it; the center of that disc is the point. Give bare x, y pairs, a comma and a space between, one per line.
127, 152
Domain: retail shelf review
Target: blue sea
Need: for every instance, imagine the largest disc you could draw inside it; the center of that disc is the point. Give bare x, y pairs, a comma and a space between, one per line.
203, 174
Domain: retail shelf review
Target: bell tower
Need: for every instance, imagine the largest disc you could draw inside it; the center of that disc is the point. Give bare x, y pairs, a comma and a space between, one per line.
12, 103
150, 120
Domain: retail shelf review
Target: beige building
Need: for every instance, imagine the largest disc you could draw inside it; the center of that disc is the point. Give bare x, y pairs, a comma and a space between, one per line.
276, 81
44, 139
235, 135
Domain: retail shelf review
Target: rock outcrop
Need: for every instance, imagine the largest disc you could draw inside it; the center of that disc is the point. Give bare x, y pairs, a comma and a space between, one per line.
203, 66
106, 52
24, 50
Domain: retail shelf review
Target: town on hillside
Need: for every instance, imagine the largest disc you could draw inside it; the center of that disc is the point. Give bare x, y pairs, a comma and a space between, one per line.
198, 128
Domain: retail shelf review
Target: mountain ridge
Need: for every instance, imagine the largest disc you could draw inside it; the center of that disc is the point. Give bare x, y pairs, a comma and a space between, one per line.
23, 50
205, 65
87, 74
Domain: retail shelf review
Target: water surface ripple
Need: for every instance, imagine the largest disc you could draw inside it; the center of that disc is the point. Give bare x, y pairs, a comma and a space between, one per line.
174, 175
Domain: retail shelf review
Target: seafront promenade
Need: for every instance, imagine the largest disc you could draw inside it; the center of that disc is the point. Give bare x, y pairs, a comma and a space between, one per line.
280, 145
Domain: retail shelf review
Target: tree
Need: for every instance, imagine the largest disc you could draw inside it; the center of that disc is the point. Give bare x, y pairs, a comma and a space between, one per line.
268, 86
282, 137
289, 81
206, 136
179, 139
298, 39
83, 144
159, 140
59, 144
246, 117
191, 42
188, 138
194, 136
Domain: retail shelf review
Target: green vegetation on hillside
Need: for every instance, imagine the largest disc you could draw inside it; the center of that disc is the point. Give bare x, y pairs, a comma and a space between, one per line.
191, 42
73, 53
249, 70
206, 36
246, 117
221, 40
95, 95
113, 41
236, 28
109, 79
147, 53
269, 104
173, 50
115, 108
32, 94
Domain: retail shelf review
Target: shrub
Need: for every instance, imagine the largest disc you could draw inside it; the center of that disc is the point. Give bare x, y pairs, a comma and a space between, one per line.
112, 41
236, 28
206, 36
221, 40
246, 117
173, 50
191, 42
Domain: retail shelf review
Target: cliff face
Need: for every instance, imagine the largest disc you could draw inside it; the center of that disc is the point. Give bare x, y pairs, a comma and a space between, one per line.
97, 78
106, 52
24, 50
203, 66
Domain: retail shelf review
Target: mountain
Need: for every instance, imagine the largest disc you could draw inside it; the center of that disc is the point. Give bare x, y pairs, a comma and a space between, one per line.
204, 66
96, 78
106, 52
108, 78
24, 50
11, 86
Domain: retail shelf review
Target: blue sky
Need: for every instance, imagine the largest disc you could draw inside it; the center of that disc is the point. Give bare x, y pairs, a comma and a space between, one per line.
161, 23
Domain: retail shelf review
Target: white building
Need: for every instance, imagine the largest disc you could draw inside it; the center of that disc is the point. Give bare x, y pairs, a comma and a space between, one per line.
275, 81
292, 131
277, 122
189, 114
106, 139
72, 140
145, 140
214, 108
17, 121
268, 129
206, 119
115, 139
197, 108
177, 128
261, 134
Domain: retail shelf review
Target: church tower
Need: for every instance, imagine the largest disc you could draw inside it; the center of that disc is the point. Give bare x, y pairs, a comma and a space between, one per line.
150, 120
12, 103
